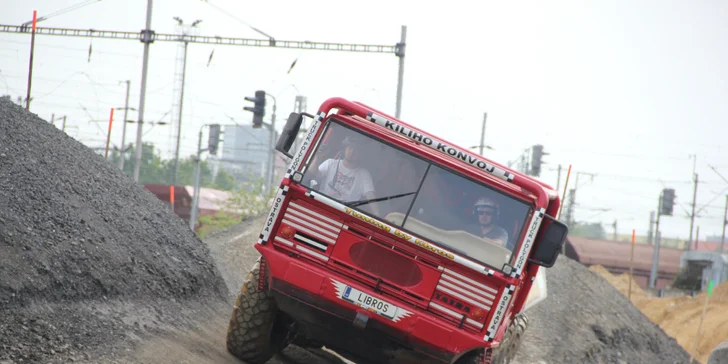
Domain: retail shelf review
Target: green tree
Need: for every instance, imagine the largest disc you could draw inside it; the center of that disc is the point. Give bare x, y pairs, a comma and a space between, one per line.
185, 176
153, 168
248, 201
156, 170
588, 230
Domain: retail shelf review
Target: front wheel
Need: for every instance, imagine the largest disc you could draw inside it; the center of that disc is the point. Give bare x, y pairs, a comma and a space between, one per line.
511, 342
257, 329
507, 349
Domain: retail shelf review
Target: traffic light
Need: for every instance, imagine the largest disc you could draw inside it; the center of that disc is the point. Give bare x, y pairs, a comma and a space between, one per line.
214, 138
258, 108
536, 159
667, 200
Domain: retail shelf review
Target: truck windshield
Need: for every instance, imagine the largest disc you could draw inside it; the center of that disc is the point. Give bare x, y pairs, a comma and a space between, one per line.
415, 195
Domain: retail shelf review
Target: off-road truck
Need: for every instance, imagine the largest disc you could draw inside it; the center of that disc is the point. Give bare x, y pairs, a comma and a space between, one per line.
388, 244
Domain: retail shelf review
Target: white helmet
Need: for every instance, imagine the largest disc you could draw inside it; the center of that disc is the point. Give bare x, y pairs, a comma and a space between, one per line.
486, 202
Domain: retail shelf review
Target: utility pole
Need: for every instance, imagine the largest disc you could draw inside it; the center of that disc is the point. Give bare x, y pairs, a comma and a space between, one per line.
569, 218
30, 62
212, 148
614, 225
53, 119
63, 128
123, 127
400, 50
697, 237
179, 78
650, 232
656, 247
576, 186
147, 39
664, 207
655, 258
196, 197
695, 196
272, 145
558, 179
482, 133
178, 129
725, 221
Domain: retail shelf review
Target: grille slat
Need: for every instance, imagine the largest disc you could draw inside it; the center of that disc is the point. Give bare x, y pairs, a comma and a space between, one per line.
457, 295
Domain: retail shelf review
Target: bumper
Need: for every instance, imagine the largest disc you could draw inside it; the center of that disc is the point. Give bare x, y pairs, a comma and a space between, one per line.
312, 296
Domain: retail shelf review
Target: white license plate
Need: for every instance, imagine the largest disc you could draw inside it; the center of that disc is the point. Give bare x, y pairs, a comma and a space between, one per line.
369, 302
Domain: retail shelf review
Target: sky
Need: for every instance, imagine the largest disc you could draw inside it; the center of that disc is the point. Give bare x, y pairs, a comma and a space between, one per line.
623, 90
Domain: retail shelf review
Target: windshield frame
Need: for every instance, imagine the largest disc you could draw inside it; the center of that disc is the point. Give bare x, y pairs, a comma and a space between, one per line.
447, 164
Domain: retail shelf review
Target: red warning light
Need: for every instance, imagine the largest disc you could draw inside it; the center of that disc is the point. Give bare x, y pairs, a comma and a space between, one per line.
477, 314
287, 232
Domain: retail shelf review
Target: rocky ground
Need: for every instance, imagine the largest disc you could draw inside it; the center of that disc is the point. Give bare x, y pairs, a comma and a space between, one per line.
586, 320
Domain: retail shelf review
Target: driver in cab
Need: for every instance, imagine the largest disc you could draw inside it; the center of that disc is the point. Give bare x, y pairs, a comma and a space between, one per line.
344, 179
486, 211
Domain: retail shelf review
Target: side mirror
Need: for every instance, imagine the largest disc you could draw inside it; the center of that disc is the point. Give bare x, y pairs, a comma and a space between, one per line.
289, 133
550, 242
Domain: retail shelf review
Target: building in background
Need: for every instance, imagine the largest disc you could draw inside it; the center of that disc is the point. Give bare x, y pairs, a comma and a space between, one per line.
244, 152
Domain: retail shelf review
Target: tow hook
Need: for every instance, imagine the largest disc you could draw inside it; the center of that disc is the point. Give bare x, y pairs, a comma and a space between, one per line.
361, 320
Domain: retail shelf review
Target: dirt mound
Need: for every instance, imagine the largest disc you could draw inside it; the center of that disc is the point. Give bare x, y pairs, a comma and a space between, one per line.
680, 317
621, 283
585, 319
76, 232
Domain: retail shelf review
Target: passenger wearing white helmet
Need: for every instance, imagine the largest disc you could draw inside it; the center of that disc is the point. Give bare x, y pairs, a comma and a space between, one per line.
486, 212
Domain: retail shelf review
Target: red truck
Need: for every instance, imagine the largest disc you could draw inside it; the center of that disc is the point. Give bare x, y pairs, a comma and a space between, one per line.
390, 245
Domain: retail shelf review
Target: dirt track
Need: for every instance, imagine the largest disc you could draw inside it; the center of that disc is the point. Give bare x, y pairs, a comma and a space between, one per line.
200, 336
233, 252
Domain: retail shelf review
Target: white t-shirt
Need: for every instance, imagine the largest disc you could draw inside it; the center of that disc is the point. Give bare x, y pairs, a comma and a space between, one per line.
346, 184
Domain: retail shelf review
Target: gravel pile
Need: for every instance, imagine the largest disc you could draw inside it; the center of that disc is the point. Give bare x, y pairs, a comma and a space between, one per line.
586, 320
76, 232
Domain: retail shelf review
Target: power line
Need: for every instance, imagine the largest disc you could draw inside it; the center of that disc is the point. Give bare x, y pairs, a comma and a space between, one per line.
148, 36
68, 9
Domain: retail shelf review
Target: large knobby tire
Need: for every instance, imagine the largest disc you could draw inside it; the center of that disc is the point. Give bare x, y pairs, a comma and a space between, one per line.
511, 342
508, 347
257, 329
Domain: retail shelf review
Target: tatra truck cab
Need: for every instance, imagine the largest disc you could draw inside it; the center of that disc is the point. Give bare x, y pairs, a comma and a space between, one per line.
388, 244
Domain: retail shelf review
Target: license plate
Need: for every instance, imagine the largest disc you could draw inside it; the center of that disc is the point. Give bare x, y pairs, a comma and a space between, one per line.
369, 302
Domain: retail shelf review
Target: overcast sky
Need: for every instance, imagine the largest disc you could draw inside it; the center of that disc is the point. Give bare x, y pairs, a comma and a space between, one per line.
627, 90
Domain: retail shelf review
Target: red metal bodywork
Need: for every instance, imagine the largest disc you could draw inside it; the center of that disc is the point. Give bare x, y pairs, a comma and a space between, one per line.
412, 273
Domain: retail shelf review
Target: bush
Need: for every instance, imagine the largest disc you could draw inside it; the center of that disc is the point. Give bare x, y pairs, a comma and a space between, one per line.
249, 201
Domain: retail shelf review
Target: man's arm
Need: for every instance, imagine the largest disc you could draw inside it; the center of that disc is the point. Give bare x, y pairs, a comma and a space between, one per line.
501, 238
375, 208
320, 168
367, 187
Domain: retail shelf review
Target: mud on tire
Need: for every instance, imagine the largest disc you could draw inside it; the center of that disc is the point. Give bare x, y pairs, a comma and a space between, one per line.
508, 348
257, 329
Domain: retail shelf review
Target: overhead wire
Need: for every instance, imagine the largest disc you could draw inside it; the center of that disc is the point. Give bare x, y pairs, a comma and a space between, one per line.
68, 9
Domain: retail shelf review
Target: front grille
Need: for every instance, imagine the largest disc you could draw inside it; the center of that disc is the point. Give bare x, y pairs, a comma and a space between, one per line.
315, 233
458, 297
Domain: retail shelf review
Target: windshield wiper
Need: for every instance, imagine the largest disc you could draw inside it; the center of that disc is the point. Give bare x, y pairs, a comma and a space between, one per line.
364, 202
